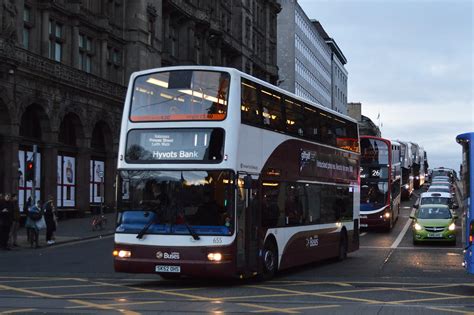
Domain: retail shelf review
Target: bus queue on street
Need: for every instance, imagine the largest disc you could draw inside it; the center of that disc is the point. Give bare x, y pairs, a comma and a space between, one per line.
221, 174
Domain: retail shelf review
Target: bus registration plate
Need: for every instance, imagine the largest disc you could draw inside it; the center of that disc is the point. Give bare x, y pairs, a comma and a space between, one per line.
162, 268
435, 235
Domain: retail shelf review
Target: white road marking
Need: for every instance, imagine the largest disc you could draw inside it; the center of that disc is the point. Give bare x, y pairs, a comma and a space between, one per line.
98, 238
401, 235
414, 248
363, 234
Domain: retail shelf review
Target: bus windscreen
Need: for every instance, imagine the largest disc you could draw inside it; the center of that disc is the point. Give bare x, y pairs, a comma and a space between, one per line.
374, 152
180, 95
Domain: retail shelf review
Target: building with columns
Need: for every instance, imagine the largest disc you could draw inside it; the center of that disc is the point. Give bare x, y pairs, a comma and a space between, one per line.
64, 67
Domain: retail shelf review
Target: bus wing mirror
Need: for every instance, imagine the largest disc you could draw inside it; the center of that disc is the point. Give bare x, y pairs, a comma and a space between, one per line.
248, 182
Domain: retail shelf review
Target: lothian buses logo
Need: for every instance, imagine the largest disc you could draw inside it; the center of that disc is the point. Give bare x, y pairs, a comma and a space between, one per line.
165, 255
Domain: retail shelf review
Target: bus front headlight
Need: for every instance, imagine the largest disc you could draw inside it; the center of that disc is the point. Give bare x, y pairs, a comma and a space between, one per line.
122, 253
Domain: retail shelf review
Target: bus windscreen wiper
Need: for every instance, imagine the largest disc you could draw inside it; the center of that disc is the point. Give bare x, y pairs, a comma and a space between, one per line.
147, 226
192, 232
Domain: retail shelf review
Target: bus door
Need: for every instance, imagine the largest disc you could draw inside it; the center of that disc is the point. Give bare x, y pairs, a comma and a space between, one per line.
248, 223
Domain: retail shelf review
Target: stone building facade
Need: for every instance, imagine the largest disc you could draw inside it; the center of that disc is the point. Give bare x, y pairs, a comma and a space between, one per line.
366, 126
65, 64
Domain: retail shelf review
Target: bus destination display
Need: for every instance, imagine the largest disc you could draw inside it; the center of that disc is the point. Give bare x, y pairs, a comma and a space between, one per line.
167, 145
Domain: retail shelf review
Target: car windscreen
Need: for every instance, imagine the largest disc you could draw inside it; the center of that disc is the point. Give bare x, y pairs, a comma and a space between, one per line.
433, 213
435, 200
439, 189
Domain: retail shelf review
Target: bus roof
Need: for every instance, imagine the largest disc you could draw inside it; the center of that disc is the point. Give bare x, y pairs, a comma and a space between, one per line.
245, 75
465, 137
381, 139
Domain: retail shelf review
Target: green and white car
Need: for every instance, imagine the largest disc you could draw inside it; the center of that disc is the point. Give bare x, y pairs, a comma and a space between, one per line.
434, 222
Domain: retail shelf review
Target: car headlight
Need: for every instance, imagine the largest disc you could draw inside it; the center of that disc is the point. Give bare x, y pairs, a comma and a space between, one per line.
407, 186
452, 227
418, 227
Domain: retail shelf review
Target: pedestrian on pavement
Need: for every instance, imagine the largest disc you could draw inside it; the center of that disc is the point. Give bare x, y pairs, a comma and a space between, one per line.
6, 218
34, 223
16, 222
50, 218
26, 210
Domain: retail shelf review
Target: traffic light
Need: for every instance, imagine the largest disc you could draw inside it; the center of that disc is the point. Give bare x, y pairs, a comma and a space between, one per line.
30, 171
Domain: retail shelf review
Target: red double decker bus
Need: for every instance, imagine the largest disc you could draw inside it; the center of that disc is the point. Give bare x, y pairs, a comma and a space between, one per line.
380, 176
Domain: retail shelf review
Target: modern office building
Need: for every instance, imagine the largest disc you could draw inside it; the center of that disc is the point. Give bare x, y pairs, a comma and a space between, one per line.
65, 64
304, 58
338, 72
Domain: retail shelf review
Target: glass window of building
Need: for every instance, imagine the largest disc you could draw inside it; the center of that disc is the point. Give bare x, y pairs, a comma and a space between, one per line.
27, 26
55, 40
85, 53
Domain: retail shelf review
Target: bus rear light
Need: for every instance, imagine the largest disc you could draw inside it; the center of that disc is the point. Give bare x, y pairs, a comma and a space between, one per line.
122, 253
214, 256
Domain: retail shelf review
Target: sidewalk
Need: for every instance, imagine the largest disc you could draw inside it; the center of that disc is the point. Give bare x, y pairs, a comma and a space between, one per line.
70, 230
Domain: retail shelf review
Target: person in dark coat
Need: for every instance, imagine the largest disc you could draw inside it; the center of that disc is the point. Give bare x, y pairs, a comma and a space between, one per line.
16, 221
50, 218
6, 219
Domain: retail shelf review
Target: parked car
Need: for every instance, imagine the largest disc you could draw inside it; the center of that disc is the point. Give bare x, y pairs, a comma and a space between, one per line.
434, 222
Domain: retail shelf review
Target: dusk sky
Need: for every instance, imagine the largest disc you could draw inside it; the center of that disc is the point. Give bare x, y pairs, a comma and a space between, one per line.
410, 61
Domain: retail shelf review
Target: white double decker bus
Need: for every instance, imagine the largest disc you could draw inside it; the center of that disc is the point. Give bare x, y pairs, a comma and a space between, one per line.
223, 175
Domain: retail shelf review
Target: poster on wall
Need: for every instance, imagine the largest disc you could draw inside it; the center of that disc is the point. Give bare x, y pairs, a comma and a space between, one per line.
59, 171
66, 179
69, 181
97, 169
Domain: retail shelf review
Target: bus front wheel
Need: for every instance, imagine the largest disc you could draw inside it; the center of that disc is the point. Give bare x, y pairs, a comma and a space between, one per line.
270, 260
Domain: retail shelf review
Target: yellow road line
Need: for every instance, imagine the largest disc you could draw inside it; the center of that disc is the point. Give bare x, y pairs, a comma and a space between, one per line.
267, 308
50, 296
166, 292
103, 307
121, 304
32, 280
450, 310
301, 308
426, 292
324, 295
432, 299
22, 310
64, 286
45, 295
232, 298
101, 293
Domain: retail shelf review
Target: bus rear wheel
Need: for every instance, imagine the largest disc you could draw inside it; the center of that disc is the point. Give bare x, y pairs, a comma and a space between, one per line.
342, 247
269, 260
